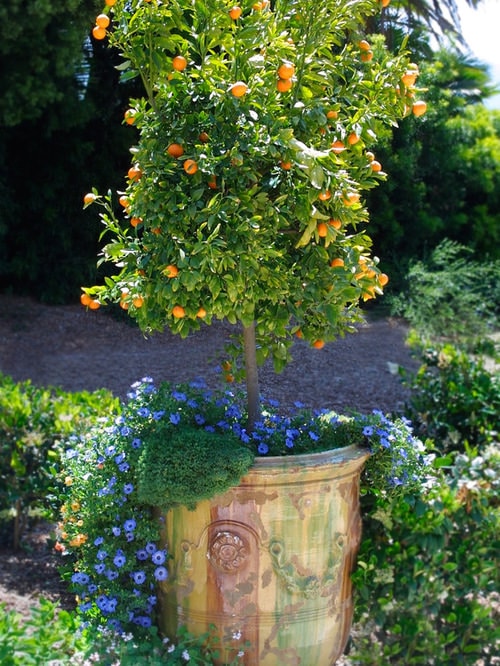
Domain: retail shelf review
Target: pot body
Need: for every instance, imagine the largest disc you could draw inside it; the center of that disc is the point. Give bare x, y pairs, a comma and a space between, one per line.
267, 564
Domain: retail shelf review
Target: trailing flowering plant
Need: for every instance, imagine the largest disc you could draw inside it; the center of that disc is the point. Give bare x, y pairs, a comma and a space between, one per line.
178, 445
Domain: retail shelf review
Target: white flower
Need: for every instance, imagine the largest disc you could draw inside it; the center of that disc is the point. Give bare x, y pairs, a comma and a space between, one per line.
185, 655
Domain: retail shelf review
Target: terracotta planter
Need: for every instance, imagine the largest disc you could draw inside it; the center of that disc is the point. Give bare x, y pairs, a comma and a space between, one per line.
269, 562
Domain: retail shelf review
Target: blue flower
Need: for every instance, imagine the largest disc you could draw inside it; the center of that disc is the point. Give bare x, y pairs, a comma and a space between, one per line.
116, 531
180, 397
158, 415
175, 418
313, 435
136, 443
125, 431
129, 525
263, 449
158, 557
80, 578
101, 555
199, 419
100, 568
119, 560
161, 573
98, 541
151, 547
128, 488
111, 574
138, 577
142, 554
143, 412
368, 431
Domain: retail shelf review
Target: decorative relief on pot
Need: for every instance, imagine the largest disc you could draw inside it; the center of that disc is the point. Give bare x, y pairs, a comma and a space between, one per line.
227, 551
298, 579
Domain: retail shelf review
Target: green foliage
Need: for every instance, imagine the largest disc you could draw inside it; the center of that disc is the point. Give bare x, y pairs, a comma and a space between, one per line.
33, 422
49, 636
184, 467
454, 400
427, 577
451, 296
255, 245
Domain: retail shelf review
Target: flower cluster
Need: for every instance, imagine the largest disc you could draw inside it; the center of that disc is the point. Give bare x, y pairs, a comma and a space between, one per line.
113, 535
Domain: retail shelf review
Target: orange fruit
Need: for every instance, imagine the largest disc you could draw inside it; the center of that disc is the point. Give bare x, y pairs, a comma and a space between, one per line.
336, 224
338, 146
239, 89
179, 63
385, 3
190, 167
202, 313
178, 311
337, 262
322, 229
351, 198
171, 271
138, 301
299, 334
135, 173
324, 196
419, 108
370, 156
156, 231
212, 183
102, 21
318, 344
285, 165
284, 85
383, 279
286, 70
89, 198
110, 3
175, 150
352, 138
229, 378
94, 305
375, 166
235, 13
129, 116
203, 137
226, 366
364, 45
409, 78
98, 32
123, 200
366, 56
259, 6
332, 114
85, 299
135, 221
124, 305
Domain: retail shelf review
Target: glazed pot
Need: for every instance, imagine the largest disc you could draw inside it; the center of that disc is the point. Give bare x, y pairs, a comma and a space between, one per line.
268, 563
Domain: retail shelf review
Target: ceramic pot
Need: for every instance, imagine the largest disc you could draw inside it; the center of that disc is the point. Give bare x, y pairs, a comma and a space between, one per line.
268, 563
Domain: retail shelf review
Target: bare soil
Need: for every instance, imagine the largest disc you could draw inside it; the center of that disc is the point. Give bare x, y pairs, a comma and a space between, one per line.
74, 349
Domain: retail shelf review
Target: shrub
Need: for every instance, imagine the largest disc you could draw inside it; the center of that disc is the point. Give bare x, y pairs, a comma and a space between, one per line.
427, 578
33, 422
454, 399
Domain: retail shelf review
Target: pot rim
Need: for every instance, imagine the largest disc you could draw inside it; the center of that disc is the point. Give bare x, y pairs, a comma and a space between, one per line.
341, 455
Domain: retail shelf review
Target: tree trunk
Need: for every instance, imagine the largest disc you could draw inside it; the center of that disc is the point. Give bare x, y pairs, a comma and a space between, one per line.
252, 376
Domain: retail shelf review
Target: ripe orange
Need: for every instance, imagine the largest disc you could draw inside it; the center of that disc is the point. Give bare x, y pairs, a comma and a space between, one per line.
332, 114
85, 299
318, 344
322, 229
129, 116
203, 137
229, 378
284, 85
385, 3
170, 271
409, 78
366, 56
138, 301
338, 146
190, 167
383, 279
89, 198
299, 334
178, 311
98, 33
336, 224
110, 3
325, 195
352, 138
124, 305
286, 70
179, 63
235, 13
135, 173
102, 21
202, 313
135, 221
364, 45
351, 198
337, 262
285, 165
123, 200
419, 108
239, 89
175, 150
375, 166
94, 305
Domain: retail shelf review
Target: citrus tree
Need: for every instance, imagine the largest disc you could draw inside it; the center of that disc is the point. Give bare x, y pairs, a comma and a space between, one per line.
245, 196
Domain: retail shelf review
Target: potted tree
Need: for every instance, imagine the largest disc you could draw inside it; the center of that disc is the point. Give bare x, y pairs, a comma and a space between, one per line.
244, 202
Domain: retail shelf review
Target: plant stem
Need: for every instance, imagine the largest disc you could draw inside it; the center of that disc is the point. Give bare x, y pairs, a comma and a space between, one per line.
252, 376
